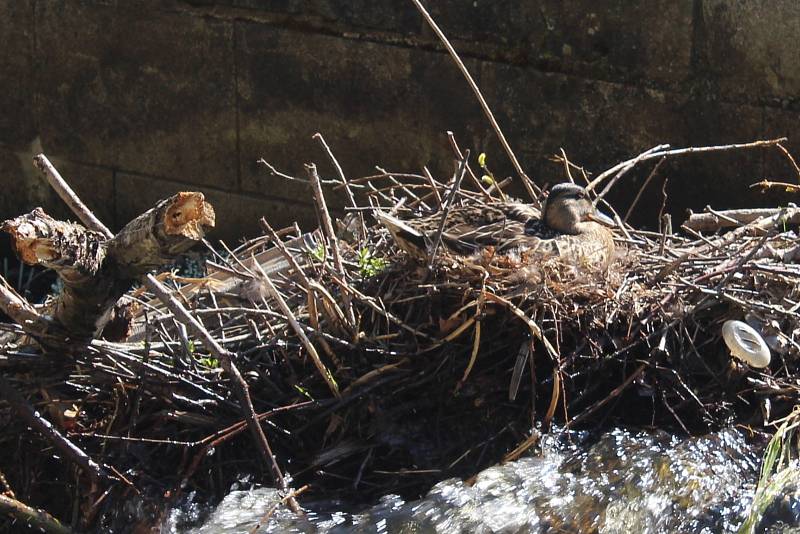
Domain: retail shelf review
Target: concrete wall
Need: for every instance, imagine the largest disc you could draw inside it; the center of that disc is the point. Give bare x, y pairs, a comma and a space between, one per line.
136, 99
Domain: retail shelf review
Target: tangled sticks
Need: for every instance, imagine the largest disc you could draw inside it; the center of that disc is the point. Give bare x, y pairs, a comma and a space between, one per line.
372, 374
422, 371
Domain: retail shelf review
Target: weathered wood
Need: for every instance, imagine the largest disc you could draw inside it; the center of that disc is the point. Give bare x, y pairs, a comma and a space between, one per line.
161, 234
77, 255
717, 220
158, 234
96, 270
19, 309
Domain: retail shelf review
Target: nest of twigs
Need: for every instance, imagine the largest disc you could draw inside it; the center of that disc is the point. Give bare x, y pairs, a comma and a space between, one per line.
372, 373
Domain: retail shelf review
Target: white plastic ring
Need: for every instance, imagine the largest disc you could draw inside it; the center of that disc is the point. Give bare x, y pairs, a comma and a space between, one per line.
746, 344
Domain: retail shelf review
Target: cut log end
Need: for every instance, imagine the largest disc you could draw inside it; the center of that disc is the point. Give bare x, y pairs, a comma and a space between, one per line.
24, 238
162, 233
98, 270
189, 215
31, 250
38, 239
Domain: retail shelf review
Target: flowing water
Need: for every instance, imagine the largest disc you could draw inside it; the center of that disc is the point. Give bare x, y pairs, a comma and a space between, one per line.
624, 482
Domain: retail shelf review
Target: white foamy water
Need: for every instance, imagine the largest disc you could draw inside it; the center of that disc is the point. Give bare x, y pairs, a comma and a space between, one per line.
624, 482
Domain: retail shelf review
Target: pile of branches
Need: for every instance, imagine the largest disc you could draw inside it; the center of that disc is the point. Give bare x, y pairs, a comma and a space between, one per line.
334, 358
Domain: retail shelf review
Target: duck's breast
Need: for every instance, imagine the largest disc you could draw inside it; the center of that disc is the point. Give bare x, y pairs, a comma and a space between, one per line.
592, 249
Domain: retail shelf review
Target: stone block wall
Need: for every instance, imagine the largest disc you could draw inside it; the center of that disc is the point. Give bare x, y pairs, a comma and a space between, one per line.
137, 99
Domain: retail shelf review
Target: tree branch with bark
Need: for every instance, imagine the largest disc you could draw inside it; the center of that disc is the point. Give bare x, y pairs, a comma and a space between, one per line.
96, 269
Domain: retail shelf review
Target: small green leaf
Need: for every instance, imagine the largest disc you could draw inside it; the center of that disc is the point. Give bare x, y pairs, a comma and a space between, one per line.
211, 363
482, 159
303, 391
319, 252
369, 265
488, 180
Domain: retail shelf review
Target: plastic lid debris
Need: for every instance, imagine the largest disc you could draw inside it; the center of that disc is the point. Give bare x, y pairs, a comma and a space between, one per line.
746, 344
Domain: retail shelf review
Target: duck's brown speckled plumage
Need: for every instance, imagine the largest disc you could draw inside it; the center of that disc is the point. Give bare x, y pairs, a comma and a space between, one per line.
566, 230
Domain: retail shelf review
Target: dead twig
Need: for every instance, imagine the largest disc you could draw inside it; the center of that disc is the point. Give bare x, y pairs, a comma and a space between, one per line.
37, 518
96, 472
350, 197
533, 190
661, 151
451, 197
330, 234
324, 372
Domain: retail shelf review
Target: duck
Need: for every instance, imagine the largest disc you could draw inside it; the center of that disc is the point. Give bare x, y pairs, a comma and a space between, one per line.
568, 227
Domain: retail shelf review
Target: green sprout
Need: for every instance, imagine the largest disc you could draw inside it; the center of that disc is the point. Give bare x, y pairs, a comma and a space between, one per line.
211, 363
319, 252
303, 391
368, 265
488, 177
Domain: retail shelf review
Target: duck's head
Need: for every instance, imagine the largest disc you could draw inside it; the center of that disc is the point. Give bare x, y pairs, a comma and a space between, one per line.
568, 210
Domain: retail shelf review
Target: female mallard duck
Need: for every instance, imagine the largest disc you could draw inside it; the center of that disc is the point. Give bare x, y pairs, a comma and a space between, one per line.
570, 229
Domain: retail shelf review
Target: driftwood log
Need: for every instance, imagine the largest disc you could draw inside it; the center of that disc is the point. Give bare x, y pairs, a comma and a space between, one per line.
96, 270
713, 220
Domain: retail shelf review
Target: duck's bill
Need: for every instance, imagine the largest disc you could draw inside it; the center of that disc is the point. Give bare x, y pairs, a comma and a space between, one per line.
602, 218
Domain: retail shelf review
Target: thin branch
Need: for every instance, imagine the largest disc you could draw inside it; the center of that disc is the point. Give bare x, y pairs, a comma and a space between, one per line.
350, 197
533, 190
624, 170
790, 158
641, 189
66, 193
46, 428
767, 184
330, 234
295, 324
275, 172
460, 157
448, 206
36, 518
614, 393
659, 151
225, 357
